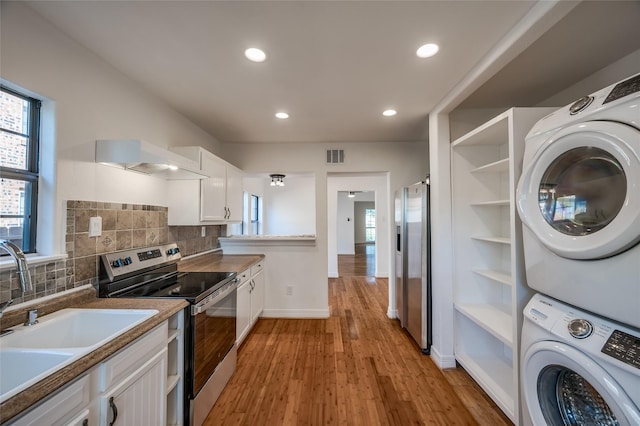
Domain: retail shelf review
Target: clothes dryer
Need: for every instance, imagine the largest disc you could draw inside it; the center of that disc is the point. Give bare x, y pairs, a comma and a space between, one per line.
577, 368
579, 201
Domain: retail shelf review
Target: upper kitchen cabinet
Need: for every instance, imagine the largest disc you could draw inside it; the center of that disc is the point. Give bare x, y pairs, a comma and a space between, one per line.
217, 199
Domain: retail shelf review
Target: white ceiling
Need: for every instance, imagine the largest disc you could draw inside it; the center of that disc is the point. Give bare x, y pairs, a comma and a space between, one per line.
334, 66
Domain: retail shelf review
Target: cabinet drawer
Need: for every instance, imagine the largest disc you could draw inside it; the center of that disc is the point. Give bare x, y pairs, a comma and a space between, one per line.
244, 276
63, 406
257, 268
128, 359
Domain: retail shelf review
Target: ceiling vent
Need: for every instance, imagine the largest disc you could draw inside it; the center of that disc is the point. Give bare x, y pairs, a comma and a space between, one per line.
335, 156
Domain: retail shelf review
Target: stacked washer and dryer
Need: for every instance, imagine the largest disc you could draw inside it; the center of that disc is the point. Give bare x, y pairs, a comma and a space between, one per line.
579, 201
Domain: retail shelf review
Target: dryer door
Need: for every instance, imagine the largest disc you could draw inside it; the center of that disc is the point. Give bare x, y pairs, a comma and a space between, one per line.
564, 387
580, 193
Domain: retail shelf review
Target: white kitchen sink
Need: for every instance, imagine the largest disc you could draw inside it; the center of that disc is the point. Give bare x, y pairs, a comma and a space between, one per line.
33, 352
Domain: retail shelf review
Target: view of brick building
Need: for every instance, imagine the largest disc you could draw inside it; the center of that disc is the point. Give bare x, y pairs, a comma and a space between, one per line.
14, 115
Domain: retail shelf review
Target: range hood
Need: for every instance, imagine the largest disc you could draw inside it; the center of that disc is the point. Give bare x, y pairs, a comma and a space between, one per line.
144, 157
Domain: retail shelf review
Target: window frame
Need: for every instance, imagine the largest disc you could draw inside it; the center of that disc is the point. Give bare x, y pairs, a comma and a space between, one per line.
32, 172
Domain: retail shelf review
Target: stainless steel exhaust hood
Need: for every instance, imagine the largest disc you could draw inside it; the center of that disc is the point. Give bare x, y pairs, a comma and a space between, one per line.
144, 157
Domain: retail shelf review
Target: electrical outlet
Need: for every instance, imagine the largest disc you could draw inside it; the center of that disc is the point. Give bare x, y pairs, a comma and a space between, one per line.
289, 290
203, 231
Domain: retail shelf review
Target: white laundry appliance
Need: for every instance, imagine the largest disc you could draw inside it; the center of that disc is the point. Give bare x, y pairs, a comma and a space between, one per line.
579, 201
577, 368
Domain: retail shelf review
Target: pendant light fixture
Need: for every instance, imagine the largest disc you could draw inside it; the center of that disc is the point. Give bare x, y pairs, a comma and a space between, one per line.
277, 179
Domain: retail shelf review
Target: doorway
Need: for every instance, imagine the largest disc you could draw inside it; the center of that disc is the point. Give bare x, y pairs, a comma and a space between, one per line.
356, 233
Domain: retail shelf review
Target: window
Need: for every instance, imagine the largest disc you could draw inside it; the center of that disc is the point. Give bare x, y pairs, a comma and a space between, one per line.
255, 215
19, 143
369, 225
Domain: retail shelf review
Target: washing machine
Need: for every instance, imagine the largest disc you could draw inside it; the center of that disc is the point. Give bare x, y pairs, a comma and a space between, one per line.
577, 368
579, 201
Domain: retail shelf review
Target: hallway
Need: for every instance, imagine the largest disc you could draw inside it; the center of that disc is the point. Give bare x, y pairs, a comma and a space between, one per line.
354, 368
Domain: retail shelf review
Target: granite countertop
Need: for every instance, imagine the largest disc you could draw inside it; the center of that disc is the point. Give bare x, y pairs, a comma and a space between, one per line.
83, 299
219, 262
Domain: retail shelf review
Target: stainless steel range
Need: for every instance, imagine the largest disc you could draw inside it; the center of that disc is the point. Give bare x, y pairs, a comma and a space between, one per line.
210, 320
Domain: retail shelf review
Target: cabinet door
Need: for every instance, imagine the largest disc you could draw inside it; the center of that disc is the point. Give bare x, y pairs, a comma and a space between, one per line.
234, 195
213, 190
257, 296
243, 321
65, 407
140, 398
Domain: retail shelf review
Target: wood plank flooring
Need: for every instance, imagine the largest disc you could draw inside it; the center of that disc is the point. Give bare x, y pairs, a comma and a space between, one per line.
355, 368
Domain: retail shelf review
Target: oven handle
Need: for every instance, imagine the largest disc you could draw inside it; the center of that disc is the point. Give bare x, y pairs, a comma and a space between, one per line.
215, 297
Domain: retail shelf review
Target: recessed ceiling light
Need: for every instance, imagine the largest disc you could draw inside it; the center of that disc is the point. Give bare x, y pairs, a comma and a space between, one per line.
427, 50
255, 55
282, 115
389, 112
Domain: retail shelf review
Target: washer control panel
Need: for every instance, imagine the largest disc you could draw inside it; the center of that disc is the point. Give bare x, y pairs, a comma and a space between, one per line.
624, 88
624, 347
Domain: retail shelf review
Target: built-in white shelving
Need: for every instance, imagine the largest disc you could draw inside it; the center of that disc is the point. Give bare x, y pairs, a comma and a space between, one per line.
489, 286
175, 370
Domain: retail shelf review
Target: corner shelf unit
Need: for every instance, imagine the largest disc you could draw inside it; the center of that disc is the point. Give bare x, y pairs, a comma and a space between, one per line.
490, 291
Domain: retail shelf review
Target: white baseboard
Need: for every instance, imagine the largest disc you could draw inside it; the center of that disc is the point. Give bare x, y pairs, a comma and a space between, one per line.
442, 361
296, 313
334, 275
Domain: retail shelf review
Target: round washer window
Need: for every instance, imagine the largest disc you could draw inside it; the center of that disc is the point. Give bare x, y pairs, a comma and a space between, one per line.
582, 191
567, 399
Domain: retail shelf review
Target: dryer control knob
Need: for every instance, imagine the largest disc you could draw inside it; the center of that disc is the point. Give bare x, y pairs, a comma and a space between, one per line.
580, 328
580, 104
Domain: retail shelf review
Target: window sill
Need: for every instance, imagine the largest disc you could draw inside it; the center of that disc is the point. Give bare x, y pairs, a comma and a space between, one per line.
7, 262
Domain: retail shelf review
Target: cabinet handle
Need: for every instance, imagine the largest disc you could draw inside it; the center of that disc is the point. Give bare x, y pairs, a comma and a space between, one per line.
114, 409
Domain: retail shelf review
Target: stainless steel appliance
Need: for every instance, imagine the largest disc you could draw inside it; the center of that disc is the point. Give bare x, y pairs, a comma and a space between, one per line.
413, 262
210, 319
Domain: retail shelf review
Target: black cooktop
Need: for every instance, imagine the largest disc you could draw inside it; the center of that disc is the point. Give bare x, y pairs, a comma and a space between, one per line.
192, 286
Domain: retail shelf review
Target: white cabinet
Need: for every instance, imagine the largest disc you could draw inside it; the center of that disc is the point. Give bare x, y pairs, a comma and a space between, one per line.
490, 291
68, 406
221, 193
257, 291
250, 299
132, 385
217, 199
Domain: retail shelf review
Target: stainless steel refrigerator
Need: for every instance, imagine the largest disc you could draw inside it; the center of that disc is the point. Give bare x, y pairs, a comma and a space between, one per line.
413, 262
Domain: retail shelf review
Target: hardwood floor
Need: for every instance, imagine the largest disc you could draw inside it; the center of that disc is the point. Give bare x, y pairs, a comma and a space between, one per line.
355, 368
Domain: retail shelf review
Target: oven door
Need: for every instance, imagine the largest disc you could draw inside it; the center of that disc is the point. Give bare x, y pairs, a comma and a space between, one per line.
214, 333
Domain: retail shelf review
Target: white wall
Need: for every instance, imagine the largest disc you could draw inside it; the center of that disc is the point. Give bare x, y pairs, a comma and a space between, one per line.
345, 224
617, 71
401, 163
290, 209
90, 100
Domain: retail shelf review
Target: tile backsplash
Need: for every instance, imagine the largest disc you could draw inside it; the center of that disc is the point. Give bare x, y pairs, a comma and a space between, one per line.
124, 226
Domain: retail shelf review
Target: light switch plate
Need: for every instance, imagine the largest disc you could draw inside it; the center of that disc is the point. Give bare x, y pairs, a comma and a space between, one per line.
95, 226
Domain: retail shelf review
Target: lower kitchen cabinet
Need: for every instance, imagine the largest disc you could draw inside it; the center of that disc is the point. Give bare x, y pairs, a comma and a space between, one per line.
128, 388
68, 406
140, 398
250, 299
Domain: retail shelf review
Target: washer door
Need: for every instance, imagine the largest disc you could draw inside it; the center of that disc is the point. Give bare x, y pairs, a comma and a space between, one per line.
580, 194
564, 387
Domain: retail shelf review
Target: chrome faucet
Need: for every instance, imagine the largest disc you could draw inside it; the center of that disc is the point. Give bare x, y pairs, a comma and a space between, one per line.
23, 270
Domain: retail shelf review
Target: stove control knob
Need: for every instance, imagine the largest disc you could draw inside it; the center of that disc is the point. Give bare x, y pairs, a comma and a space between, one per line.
127, 261
116, 263
580, 328
172, 251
